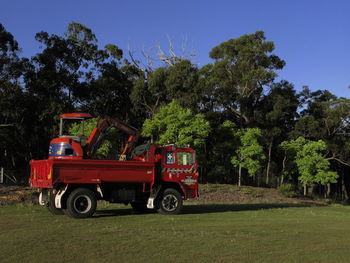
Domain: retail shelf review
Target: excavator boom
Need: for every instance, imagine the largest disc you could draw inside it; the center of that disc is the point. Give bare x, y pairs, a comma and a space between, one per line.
100, 131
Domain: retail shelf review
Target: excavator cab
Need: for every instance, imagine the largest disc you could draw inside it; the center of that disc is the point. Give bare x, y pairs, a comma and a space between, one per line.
68, 146
73, 147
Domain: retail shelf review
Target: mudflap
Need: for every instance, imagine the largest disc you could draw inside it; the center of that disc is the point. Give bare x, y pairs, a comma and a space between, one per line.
153, 196
59, 195
150, 203
43, 197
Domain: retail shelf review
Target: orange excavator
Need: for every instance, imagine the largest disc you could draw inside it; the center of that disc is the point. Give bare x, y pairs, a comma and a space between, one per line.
69, 146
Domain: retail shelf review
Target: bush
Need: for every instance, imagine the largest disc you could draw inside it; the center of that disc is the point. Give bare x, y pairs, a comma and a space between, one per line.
287, 190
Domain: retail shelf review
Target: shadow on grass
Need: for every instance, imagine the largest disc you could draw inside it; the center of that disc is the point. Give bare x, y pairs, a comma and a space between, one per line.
114, 212
220, 208
207, 208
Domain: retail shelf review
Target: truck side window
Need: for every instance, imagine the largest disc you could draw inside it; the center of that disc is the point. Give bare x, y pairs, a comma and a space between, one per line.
69, 151
170, 158
185, 158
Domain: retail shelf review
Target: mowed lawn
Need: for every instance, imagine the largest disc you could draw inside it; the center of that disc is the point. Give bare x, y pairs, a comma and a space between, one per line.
203, 233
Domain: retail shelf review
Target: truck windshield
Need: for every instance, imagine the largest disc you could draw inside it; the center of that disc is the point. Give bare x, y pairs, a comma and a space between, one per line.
185, 158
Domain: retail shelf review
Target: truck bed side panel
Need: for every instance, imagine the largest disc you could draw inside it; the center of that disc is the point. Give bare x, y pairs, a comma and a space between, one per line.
114, 171
91, 171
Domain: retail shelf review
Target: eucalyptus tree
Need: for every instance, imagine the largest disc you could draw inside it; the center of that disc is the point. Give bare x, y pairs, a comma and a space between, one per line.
72, 73
164, 84
243, 67
13, 103
276, 116
327, 117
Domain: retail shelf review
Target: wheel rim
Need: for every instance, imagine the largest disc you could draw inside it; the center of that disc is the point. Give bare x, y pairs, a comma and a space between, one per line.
170, 202
82, 204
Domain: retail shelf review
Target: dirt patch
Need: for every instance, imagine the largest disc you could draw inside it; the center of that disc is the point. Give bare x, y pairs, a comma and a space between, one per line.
225, 193
10, 195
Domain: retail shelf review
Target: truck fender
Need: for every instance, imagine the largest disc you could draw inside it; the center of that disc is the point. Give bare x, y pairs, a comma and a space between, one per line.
179, 185
59, 196
183, 190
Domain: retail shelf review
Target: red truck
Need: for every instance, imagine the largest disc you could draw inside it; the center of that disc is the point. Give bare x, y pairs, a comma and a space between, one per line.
148, 176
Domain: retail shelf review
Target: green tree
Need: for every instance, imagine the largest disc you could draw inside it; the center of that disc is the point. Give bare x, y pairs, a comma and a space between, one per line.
242, 68
276, 116
149, 91
289, 166
249, 154
218, 150
159, 87
71, 73
174, 124
181, 84
14, 104
313, 166
326, 117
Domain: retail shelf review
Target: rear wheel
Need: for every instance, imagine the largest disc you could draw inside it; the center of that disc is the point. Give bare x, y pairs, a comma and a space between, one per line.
81, 203
170, 202
51, 205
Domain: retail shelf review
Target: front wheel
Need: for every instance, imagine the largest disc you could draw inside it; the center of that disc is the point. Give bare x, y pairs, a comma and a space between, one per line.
170, 202
81, 203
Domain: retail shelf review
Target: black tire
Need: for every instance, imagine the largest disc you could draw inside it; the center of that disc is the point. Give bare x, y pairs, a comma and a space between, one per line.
81, 203
51, 205
170, 202
139, 206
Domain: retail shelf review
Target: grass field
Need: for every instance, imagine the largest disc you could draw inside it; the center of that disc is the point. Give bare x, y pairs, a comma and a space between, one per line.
203, 233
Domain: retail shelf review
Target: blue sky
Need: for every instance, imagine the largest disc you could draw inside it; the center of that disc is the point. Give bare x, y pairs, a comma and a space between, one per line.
313, 37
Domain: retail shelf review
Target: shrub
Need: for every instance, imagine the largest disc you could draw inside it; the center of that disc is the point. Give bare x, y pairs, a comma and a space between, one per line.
287, 190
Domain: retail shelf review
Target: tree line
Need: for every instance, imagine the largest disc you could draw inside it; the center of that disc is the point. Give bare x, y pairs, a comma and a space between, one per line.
247, 126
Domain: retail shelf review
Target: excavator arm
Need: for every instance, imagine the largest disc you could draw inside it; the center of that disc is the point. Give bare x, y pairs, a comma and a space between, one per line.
101, 130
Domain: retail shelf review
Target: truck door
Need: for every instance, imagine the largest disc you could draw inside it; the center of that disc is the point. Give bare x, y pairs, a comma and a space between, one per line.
180, 166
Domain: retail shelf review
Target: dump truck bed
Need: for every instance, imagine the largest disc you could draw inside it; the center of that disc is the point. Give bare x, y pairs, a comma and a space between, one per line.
46, 173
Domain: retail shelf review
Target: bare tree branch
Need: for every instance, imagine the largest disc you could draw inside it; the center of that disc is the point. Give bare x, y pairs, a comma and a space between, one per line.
338, 160
168, 57
240, 114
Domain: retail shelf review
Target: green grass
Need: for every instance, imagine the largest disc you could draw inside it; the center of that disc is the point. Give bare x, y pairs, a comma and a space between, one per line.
204, 233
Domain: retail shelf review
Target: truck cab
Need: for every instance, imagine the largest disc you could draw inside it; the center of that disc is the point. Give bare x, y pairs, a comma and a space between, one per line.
180, 164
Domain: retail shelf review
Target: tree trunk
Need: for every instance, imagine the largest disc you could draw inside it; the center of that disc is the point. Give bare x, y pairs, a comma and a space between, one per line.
282, 179
344, 192
13, 161
239, 176
283, 167
305, 189
328, 192
268, 164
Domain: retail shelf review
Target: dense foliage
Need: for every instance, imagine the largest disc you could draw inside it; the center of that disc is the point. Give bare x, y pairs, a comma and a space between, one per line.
246, 126
176, 125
